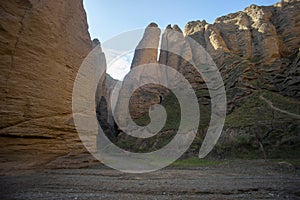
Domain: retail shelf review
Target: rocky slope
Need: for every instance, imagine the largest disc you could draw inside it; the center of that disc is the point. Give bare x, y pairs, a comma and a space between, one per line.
44, 42
257, 53
255, 50
42, 46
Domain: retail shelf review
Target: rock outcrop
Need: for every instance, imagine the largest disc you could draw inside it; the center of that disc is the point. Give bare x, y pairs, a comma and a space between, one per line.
257, 53
146, 53
262, 33
174, 47
42, 46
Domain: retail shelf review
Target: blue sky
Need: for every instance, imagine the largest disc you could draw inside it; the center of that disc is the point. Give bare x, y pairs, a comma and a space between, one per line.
107, 18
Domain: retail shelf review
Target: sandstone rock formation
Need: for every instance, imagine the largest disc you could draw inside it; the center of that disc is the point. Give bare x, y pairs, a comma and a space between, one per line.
257, 53
42, 46
44, 42
175, 52
172, 50
146, 52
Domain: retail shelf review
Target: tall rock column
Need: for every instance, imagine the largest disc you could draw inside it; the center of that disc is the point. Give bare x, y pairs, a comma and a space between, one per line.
146, 52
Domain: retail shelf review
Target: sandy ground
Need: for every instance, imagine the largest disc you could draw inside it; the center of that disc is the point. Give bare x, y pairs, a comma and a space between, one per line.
237, 179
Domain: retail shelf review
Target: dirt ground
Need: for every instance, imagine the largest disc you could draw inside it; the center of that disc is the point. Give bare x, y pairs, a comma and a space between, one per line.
238, 179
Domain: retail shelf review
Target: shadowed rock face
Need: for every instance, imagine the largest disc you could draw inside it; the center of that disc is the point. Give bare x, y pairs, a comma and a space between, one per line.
172, 40
44, 42
42, 46
257, 52
146, 52
143, 55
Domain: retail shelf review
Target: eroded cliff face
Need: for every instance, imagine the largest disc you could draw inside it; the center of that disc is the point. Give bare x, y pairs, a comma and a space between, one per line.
264, 37
44, 42
257, 53
146, 52
175, 52
42, 46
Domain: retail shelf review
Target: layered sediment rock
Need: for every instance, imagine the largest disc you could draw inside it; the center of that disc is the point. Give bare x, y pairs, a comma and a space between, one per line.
44, 42
257, 53
42, 46
252, 47
146, 53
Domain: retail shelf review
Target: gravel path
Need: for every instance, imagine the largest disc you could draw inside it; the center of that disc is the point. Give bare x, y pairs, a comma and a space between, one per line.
233, 180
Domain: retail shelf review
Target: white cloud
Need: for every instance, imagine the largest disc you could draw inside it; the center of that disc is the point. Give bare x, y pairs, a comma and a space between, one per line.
118, 63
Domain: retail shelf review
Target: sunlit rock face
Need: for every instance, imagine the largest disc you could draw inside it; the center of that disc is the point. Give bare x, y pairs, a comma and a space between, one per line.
42, 46
260, 42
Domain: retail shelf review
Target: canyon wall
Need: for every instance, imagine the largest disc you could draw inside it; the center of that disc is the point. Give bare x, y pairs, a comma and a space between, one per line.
42, 46
257, 53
